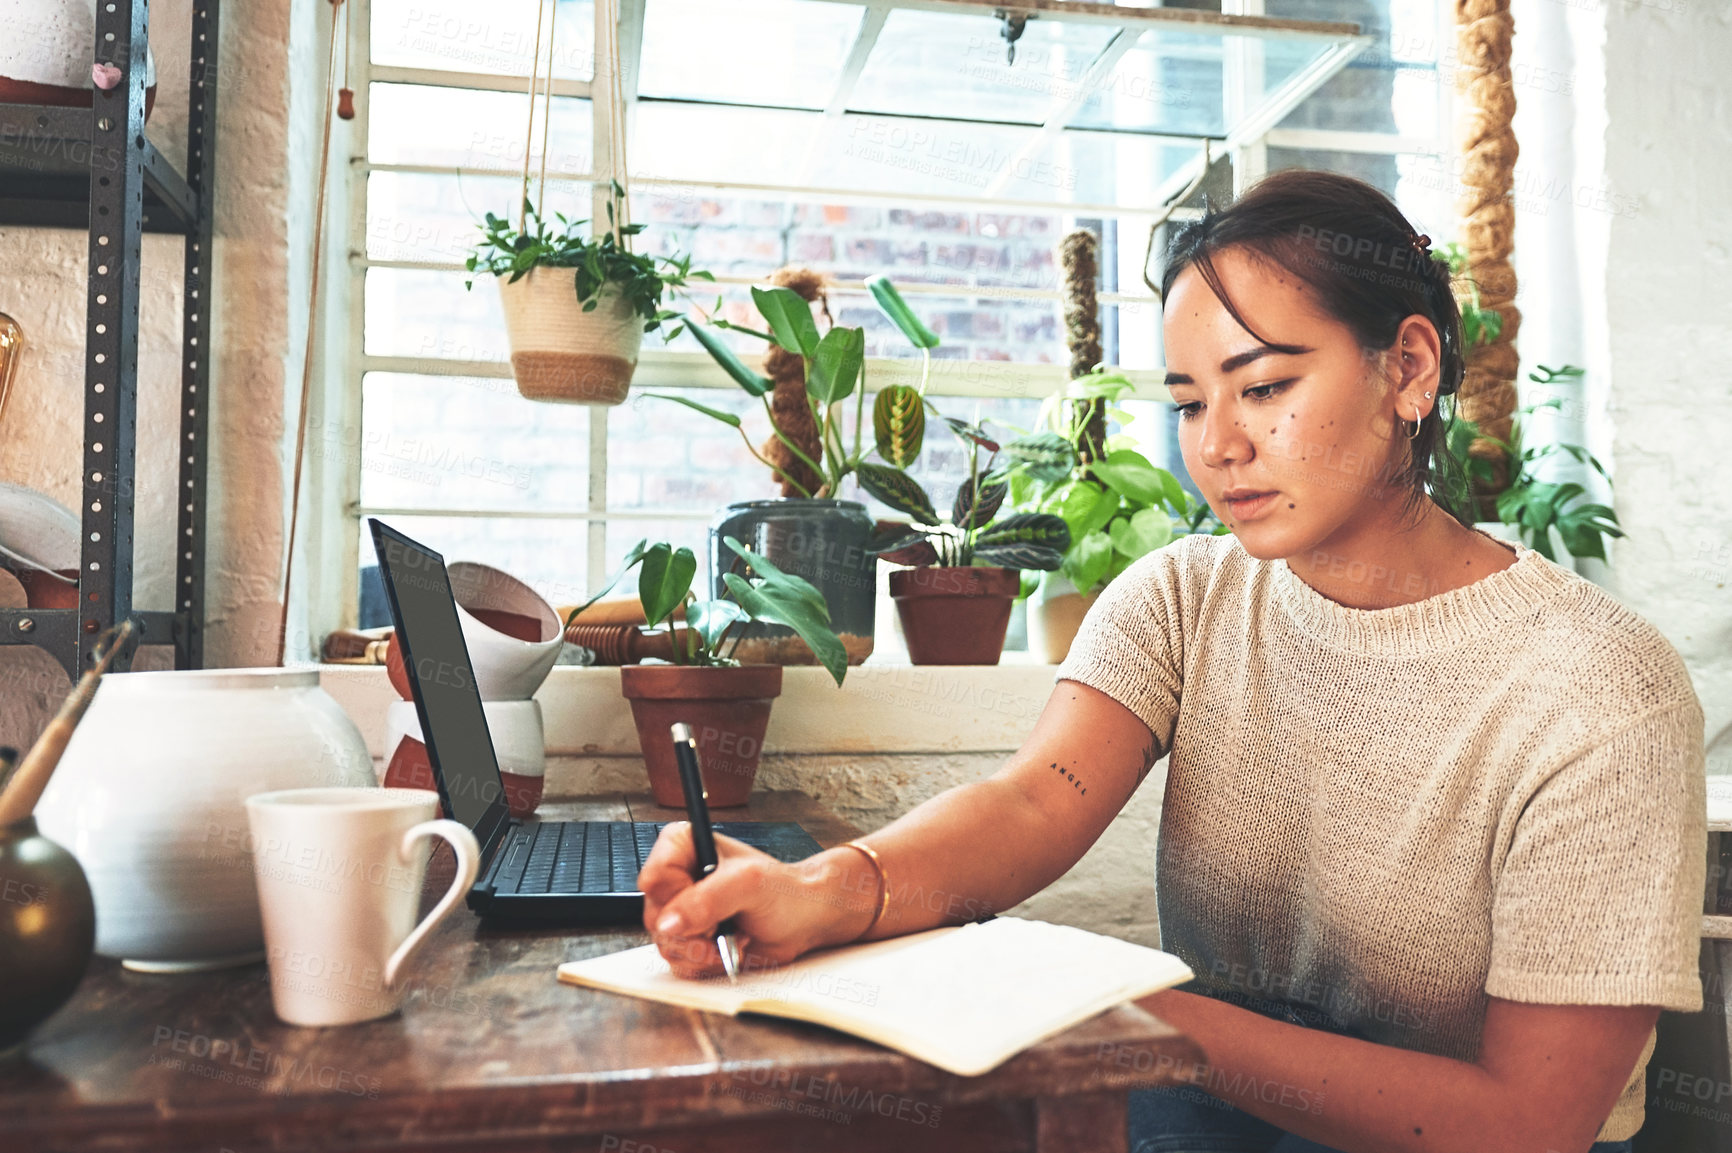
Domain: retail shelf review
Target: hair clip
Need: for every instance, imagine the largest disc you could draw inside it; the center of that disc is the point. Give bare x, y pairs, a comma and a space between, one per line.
1422, 243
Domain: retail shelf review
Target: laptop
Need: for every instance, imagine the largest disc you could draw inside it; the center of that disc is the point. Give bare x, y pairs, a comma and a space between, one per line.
565, 872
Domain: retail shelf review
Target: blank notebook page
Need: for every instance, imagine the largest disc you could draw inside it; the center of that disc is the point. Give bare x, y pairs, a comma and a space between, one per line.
965, 998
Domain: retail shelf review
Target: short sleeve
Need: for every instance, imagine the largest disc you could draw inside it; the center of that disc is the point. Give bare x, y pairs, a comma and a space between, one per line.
1131, 643
1599, 900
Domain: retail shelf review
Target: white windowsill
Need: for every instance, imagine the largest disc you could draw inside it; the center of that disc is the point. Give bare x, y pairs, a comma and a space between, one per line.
878, 709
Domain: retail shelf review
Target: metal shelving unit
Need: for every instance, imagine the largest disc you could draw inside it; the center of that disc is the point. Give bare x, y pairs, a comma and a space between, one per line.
68, 168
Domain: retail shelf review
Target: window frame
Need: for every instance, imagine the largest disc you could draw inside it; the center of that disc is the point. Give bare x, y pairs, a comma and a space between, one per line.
335, 486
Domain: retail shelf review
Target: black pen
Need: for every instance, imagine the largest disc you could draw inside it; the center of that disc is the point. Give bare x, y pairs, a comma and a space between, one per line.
703, 837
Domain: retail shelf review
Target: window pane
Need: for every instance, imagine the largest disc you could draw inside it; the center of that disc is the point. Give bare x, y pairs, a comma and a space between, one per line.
1423, 187
954, 66
664, 456
499, 36
737, 145
465, 128
782, 52
547, 555
413, 313
419, 216
1391, 86
1174, 81
470, 443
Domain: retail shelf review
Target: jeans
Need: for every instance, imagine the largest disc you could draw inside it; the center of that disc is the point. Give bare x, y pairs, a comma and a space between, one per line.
1187, 1120
1184, 1119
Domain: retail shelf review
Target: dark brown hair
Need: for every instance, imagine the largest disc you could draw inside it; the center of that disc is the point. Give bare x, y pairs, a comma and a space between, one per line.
1370, 269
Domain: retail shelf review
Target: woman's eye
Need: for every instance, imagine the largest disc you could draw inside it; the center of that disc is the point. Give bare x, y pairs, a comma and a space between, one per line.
1186, 411
1268, 390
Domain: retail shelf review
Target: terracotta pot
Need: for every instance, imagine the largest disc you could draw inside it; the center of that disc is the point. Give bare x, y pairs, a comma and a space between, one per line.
48, 60
1055, 613
519, 745
44, 590
954, 615
728, 710
561, 353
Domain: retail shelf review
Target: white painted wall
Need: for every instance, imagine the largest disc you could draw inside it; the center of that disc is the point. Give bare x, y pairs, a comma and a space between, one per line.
1668, 292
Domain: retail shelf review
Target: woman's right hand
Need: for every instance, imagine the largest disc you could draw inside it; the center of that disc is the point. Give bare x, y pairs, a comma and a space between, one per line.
780, 910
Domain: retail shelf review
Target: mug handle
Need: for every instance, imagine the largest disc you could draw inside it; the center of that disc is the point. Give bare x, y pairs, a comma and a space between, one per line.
462, 842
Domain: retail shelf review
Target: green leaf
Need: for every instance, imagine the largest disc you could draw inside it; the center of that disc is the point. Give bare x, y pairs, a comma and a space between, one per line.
898, 490
1038, 528
727, 418
767, 603
836, 365
634, 556
899, 425
790, 319
794, 585
1046, 456
1089, 562
1142, 532
971, 432
1130, 475
712, 619
970, 513
891, 303
752, 382
1019, 556
665, 580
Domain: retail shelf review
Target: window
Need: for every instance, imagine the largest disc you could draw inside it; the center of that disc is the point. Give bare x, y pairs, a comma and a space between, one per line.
850, 136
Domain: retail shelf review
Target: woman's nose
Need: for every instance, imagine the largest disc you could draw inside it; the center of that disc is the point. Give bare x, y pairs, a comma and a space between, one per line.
1223, 440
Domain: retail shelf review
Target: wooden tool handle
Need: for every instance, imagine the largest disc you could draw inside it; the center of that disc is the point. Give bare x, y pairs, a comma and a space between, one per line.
31, 778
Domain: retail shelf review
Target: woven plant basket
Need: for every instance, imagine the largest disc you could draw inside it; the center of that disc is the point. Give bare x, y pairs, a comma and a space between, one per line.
561, 353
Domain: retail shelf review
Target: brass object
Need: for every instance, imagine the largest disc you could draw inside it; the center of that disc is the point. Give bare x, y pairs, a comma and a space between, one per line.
47, 929
11, 353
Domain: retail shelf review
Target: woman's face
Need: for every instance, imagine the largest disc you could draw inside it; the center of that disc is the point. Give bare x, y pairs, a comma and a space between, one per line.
1313, 423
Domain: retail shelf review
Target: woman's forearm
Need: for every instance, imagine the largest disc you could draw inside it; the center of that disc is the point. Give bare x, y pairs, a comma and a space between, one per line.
975, 849
1361, 1097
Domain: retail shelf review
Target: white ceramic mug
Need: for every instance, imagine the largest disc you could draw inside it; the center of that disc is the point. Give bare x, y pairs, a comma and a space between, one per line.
339, 876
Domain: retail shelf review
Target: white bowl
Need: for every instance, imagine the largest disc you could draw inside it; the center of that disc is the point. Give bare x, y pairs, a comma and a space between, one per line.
36, 532
515, 726
506, 667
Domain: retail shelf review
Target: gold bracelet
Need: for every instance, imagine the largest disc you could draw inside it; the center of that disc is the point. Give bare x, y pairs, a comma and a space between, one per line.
883, 885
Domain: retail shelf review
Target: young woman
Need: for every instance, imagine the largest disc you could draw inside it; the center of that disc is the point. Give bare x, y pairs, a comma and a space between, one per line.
1432, 837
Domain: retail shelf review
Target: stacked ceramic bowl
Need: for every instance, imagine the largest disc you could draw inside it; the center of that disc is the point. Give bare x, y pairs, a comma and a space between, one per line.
513, 637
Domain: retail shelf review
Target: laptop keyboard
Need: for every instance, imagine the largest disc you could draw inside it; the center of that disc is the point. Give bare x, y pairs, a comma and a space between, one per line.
589, 856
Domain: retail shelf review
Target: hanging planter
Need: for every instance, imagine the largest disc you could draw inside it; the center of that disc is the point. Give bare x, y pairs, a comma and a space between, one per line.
576, 306
50, 62
559, 351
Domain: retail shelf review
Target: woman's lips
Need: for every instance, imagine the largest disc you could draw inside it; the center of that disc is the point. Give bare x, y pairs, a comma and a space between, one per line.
1249, 507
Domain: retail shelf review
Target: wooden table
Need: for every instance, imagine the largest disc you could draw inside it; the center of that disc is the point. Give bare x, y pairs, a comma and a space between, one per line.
490, 1051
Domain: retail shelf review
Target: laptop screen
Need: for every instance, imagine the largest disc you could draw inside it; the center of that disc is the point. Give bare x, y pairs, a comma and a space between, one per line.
459, 747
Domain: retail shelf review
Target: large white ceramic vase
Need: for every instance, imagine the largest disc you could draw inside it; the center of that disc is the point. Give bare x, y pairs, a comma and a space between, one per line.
150, 797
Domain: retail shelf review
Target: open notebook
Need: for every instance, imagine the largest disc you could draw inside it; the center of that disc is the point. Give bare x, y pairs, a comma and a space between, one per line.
964, 998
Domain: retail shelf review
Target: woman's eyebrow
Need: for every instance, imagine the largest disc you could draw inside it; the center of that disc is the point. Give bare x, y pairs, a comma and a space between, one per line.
1240, 359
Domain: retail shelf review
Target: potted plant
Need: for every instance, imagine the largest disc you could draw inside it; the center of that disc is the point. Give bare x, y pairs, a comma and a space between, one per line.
955, 599
724, 700
1117, 505
809, 378
1531, 508
576, 306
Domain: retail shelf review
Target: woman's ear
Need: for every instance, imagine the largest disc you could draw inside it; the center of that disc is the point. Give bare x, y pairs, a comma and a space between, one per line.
1417, 357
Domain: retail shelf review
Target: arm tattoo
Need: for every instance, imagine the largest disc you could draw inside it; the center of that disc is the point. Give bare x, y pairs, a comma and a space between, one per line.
1151, 754
1075, 782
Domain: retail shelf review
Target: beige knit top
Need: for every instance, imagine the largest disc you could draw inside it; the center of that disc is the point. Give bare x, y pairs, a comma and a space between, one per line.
1381, 817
